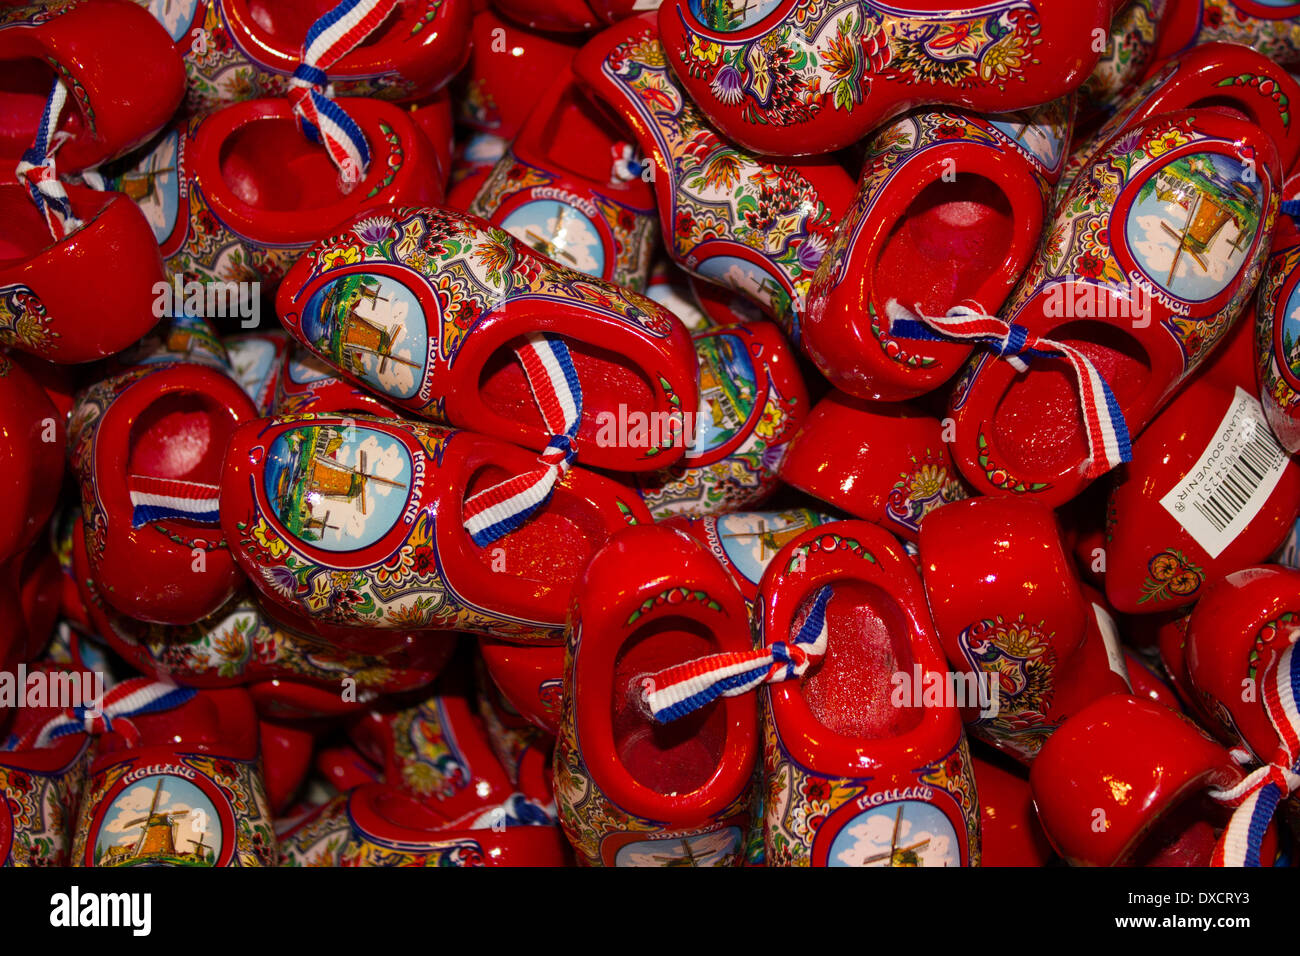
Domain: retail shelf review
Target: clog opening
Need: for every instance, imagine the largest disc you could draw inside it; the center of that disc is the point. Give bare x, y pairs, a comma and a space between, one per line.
25, 85
270, 165
608, 381
287, 21
946, 245
574, 126
681, 756
181, 435
1234, 107
1182, 836
868, 641
1038, 426
552, 547
24, 232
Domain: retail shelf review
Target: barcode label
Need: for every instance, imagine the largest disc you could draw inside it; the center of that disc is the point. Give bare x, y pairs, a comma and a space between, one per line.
1228, 486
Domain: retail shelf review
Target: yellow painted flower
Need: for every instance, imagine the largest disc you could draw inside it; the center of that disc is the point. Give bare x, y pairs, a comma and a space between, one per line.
1003, 58
269, 540
1022, 641
705, 50
336, 258
1168, 140
928, 481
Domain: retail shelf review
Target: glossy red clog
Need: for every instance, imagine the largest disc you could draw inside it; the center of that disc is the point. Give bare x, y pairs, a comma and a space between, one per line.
753, 226
884, 462
793, 78
158, 430
241, 49
630, 791
1113, 279
881, 778
1123, 782
184, 788
1009, 610
378, 825
949, 212
286, 759
1235, 632
1209, 492
529, 677
86, 295
752, 402
1010, 834
427, 308
346, 543
566, 188
31, 456
235, 195
123, 78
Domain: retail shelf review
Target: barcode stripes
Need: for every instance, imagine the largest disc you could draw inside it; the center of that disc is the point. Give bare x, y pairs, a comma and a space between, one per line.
1255, 461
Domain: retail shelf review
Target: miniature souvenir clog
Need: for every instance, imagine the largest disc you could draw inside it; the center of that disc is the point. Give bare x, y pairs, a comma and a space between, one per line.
751, 225
1209, 492
1135, 284
949, 212
862, 766
238, 50
1124, 780
745, 542
884, 462
632, 791
752, 401
436, 750
81, 295
41, 781
529, 677
31, 457
1277, 328
792, 78
1010, 834
1216, 74
508, 64
378, 825
1269, 26
116, 66
1010, 613
147, 447
361, 522
568, 189
460, 322
235, 195
178, 785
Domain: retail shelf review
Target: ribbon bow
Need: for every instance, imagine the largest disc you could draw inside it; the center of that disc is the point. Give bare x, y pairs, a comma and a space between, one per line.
1108, 438
1257, 797
626, 166
321, 119
37, 174
676, 691
131, 698
498, 510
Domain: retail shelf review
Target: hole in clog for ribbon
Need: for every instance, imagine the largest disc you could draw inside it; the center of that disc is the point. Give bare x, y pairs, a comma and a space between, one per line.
947, 244
271, 166
677, 757
1038, 427
849, 690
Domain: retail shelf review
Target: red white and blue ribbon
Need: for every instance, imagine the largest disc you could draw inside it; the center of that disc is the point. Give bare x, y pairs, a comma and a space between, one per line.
504, 507
169, 499
676, 691
1257, 797
1108, 438
37, 174
329, 39
131, 698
